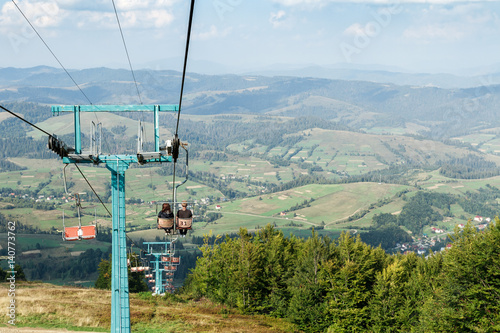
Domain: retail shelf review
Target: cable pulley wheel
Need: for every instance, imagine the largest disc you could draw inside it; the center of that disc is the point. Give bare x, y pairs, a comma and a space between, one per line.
176, 143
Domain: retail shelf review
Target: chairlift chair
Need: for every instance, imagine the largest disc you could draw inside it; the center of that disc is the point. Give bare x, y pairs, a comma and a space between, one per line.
170, 268
79, 232
171, 226
173, 260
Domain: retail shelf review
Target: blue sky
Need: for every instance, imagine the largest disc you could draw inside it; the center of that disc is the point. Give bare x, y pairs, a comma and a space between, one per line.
242, 35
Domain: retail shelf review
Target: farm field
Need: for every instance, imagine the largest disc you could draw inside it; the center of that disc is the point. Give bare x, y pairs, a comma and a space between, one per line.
332, 207
331, 203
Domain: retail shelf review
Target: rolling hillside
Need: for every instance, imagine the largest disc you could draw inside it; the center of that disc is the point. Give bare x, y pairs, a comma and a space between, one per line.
430, 111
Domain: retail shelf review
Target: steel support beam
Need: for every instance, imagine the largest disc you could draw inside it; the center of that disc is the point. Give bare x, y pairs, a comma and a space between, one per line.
120, 306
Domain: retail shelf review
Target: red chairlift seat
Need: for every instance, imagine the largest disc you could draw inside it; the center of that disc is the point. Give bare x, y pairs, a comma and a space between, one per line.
80, 232
171, 268
139, 269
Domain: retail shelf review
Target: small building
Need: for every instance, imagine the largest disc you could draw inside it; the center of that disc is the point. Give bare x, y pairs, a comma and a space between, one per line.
218, 207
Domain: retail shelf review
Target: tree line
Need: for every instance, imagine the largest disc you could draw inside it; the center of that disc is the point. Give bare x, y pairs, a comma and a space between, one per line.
345, 285
469, 167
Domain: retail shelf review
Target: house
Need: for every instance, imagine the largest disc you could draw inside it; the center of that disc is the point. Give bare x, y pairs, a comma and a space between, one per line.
461, 225
478, 218
282, 213
218, 207
437, 231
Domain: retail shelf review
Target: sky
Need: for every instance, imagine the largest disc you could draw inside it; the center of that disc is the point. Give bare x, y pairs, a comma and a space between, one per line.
237, 36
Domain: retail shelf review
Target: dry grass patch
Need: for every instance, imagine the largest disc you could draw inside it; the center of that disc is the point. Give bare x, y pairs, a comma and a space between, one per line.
55, 307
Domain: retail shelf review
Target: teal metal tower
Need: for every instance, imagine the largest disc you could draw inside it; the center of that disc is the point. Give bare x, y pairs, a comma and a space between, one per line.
160, 251
117, 164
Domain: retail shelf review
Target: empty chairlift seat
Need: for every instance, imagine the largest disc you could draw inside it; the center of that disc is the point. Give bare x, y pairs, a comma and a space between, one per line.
139, 269
79, 233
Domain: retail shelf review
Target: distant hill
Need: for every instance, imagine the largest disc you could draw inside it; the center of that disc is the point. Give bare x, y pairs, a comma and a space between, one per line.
447, 81
430, 111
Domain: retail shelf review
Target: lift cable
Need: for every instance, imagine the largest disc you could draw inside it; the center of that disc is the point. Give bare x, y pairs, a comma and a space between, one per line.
83, 175
185, 63
60, 63
182, 89
88, 99
31, 124
102, 203
126, 51
97, 195
50, 135
50, 50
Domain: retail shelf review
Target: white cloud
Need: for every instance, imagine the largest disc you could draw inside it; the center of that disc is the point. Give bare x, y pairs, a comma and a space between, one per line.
321, 3
452, 23
355, 29
42, 14
90, 15
450, 32
143, 19
303, 2
127, 5
211, 33
278, 19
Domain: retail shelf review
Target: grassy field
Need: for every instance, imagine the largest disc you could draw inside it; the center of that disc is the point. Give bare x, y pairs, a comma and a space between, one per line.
52, 307
51, 245
332, 203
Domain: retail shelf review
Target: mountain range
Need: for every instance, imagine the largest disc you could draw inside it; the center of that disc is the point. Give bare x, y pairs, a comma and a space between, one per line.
360, 104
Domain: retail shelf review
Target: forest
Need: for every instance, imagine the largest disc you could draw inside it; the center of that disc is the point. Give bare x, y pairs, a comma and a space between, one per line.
345, 285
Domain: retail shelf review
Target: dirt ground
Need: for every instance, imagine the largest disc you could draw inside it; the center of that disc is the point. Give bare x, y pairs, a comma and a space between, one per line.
34, 330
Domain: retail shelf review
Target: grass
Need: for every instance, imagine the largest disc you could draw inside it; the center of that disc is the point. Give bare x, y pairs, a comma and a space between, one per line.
71, 308
332, 203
